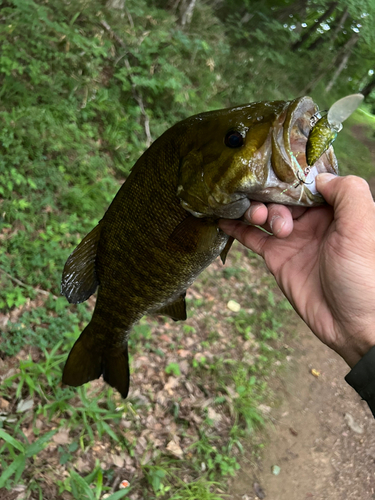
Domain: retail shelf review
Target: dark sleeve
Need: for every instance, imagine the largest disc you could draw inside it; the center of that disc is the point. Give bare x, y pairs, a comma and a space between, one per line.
362, 378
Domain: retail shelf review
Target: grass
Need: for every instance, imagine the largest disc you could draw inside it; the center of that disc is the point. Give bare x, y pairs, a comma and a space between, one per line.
193, 400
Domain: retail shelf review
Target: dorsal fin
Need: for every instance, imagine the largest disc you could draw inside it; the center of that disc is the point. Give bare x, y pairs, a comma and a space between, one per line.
175, 310
79, 279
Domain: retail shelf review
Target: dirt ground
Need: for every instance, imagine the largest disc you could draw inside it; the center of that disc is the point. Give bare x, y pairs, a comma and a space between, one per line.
322, 436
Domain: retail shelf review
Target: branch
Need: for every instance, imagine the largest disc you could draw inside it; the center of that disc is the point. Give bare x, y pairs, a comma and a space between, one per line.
20, 283
136, 94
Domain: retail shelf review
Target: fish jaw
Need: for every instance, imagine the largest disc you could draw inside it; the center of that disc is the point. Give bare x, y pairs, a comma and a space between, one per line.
291, 180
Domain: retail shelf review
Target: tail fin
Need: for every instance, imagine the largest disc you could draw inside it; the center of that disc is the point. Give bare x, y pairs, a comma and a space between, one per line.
86, 363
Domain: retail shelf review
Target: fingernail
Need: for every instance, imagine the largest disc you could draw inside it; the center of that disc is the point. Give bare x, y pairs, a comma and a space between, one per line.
326, 177
276, 224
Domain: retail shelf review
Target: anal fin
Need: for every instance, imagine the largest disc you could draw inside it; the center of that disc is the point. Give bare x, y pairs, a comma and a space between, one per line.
79, 279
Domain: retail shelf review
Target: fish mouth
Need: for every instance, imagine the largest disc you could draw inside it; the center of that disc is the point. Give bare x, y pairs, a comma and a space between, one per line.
290, 179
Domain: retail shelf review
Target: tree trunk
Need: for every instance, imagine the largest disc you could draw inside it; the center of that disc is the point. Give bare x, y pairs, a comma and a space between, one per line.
116, 4
340, 25
349, 47
187, 11
332, 34
367, 89
310, 31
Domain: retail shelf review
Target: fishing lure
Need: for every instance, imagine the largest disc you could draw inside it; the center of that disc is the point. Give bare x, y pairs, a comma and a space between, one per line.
325, 129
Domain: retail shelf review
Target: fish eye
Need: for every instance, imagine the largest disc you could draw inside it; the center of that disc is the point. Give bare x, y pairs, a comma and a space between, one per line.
233, 139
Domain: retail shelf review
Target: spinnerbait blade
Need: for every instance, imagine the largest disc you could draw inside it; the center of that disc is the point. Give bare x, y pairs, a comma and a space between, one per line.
324, 132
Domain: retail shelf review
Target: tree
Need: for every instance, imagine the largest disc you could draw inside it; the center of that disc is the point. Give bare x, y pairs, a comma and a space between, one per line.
312, 29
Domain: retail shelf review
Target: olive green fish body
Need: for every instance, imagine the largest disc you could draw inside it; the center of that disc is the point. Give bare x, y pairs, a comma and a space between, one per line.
161, 229
142, 264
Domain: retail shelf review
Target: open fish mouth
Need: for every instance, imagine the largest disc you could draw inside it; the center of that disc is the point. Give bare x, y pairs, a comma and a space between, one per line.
290, 179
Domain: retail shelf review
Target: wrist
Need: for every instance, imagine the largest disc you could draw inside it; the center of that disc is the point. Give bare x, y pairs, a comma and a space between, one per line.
356, 346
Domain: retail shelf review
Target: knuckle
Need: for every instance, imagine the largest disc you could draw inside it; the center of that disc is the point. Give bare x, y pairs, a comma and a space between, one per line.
352, 182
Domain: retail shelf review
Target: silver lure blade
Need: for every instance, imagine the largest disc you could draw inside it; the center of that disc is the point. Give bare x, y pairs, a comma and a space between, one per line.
343, 108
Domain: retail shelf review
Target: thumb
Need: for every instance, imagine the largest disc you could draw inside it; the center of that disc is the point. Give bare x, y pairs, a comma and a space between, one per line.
349, 195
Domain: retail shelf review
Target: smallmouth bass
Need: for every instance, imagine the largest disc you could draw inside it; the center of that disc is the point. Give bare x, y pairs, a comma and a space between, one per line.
161, 231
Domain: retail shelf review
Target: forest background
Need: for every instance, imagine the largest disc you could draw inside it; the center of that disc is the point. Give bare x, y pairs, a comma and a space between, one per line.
85, 87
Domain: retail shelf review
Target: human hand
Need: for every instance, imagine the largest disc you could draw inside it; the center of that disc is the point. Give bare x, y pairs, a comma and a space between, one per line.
323, 260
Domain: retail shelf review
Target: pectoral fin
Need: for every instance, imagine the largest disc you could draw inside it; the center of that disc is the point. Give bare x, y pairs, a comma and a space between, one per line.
224, 253
175, 310
79, 279
194, 235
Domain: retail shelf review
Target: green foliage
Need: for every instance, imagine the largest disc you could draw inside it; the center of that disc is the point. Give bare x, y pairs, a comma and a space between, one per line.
156, 476
18, 460
198, 489
248, 388
217, 462
174, 369
91, 486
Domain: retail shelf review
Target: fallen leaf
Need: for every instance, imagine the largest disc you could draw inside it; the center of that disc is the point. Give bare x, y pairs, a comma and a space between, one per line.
184, 367
212, 415
82, 465
117, 460
165, 337
171, 384
175, 449
24, 405
183, 353
316, 373
62, 436
4, 404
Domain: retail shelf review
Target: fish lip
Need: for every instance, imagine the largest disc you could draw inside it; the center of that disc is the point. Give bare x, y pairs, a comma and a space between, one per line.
290, 134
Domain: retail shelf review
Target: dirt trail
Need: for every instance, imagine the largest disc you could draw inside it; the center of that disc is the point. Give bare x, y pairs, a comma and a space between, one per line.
319, 454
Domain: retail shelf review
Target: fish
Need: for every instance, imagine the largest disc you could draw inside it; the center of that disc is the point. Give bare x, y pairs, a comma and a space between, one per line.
161, 229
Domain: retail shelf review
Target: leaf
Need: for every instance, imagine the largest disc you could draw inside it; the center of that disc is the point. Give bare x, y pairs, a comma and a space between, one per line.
16, 466
24, 405
38, 445
13, 442
175, 449
109, 431
118, 494
62, 436
80, 488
